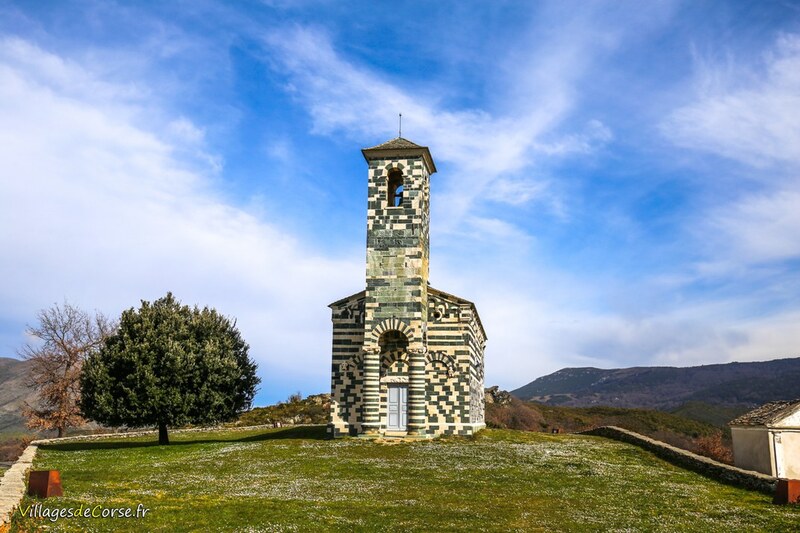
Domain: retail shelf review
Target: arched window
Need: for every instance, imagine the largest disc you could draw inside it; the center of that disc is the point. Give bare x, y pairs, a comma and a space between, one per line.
393, 340
394, 191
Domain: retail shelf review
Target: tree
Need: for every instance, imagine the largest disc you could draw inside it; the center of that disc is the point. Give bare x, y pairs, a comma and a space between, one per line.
169, 365
66, 337
714, 447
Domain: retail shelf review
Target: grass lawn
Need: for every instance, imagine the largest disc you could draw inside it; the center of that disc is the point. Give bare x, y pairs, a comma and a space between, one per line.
294, 480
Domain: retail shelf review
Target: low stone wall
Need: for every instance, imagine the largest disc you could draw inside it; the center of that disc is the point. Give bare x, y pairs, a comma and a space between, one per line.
12, 483
146, 432
702, 465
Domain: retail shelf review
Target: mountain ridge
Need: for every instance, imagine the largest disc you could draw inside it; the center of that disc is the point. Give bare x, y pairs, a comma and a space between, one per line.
665, 388
14, 394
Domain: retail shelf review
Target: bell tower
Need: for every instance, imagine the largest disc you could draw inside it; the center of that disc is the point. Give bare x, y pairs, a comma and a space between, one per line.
398, 252
406, 358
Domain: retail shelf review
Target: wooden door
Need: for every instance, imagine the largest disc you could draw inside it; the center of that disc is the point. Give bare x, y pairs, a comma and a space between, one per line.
396, 407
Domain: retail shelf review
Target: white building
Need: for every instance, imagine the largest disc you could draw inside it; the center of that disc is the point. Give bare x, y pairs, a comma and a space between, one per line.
767, 439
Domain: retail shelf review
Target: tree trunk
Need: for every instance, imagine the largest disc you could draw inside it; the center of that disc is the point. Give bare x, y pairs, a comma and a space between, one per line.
163, 438
61, 431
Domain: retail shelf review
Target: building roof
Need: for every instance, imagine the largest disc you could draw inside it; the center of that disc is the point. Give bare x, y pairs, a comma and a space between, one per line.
346, 299
767, 414
400, 147
396, 144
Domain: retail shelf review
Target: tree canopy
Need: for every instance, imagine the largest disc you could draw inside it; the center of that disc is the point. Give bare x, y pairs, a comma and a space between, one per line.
65, 336
169, 365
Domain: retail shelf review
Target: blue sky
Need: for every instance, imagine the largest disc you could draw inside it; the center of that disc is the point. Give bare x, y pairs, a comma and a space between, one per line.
618, 185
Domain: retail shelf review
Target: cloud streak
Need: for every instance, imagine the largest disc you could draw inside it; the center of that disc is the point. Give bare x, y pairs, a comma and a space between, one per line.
751, 116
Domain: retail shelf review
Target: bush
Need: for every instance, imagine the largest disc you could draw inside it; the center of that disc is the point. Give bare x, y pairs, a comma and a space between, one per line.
716, 448
516, 415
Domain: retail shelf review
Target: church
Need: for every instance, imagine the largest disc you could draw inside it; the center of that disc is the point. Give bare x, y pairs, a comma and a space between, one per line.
407, 358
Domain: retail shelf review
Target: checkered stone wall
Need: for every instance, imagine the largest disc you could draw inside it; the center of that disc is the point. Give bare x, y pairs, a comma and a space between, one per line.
347, 370
441, 355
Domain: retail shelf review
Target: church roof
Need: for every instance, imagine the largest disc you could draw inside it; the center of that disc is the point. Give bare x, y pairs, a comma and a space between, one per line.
400, 147
396, 144
347, 299
766, 414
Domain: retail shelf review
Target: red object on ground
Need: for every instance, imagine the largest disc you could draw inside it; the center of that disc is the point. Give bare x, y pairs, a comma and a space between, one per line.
44, 483
787, 491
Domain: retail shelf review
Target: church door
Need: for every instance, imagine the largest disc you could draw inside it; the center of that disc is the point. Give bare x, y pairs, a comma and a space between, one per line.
398, 398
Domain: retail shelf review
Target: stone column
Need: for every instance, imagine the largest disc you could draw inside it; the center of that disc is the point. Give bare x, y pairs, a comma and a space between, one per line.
371, 421
417, 416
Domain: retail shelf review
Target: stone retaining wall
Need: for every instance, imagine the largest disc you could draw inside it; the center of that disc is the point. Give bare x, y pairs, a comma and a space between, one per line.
702, 465
12, 484
144, 433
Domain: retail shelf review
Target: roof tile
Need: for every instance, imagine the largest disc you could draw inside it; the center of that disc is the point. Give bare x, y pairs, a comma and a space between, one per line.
395, 144
765, 414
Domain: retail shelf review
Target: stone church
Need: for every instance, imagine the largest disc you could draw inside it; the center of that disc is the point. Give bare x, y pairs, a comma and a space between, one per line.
407, 358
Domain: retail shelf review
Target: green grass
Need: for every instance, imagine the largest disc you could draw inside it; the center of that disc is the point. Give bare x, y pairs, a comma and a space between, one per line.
294, 480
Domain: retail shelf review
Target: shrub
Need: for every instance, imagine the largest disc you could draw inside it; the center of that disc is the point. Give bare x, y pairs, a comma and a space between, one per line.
716, 448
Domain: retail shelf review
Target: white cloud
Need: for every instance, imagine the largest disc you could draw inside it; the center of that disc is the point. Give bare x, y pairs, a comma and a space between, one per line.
778, 336
536, 332
516, 191
184, 131
762, 227
749, 115
96, 209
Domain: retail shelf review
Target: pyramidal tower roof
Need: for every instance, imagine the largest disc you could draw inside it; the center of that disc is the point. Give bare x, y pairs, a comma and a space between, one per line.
395, 144
400, 147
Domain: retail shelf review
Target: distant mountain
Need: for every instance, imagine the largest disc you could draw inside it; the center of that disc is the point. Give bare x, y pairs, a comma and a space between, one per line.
13, 395
698, 392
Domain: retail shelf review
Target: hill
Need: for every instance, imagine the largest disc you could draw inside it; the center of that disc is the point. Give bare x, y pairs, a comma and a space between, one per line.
13, 395
506, 412
313, 409
295, 480
699, 391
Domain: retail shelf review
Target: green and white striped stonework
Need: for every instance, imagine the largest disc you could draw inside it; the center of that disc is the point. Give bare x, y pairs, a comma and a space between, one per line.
400, 331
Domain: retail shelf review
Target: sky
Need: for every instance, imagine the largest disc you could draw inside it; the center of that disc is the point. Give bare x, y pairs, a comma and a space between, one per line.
618, 182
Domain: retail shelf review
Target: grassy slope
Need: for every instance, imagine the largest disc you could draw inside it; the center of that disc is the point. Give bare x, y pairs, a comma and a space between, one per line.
640, 420
667, 427
292, 479
312, 410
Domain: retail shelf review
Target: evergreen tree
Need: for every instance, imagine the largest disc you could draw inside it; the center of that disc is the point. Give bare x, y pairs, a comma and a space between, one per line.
169, 365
